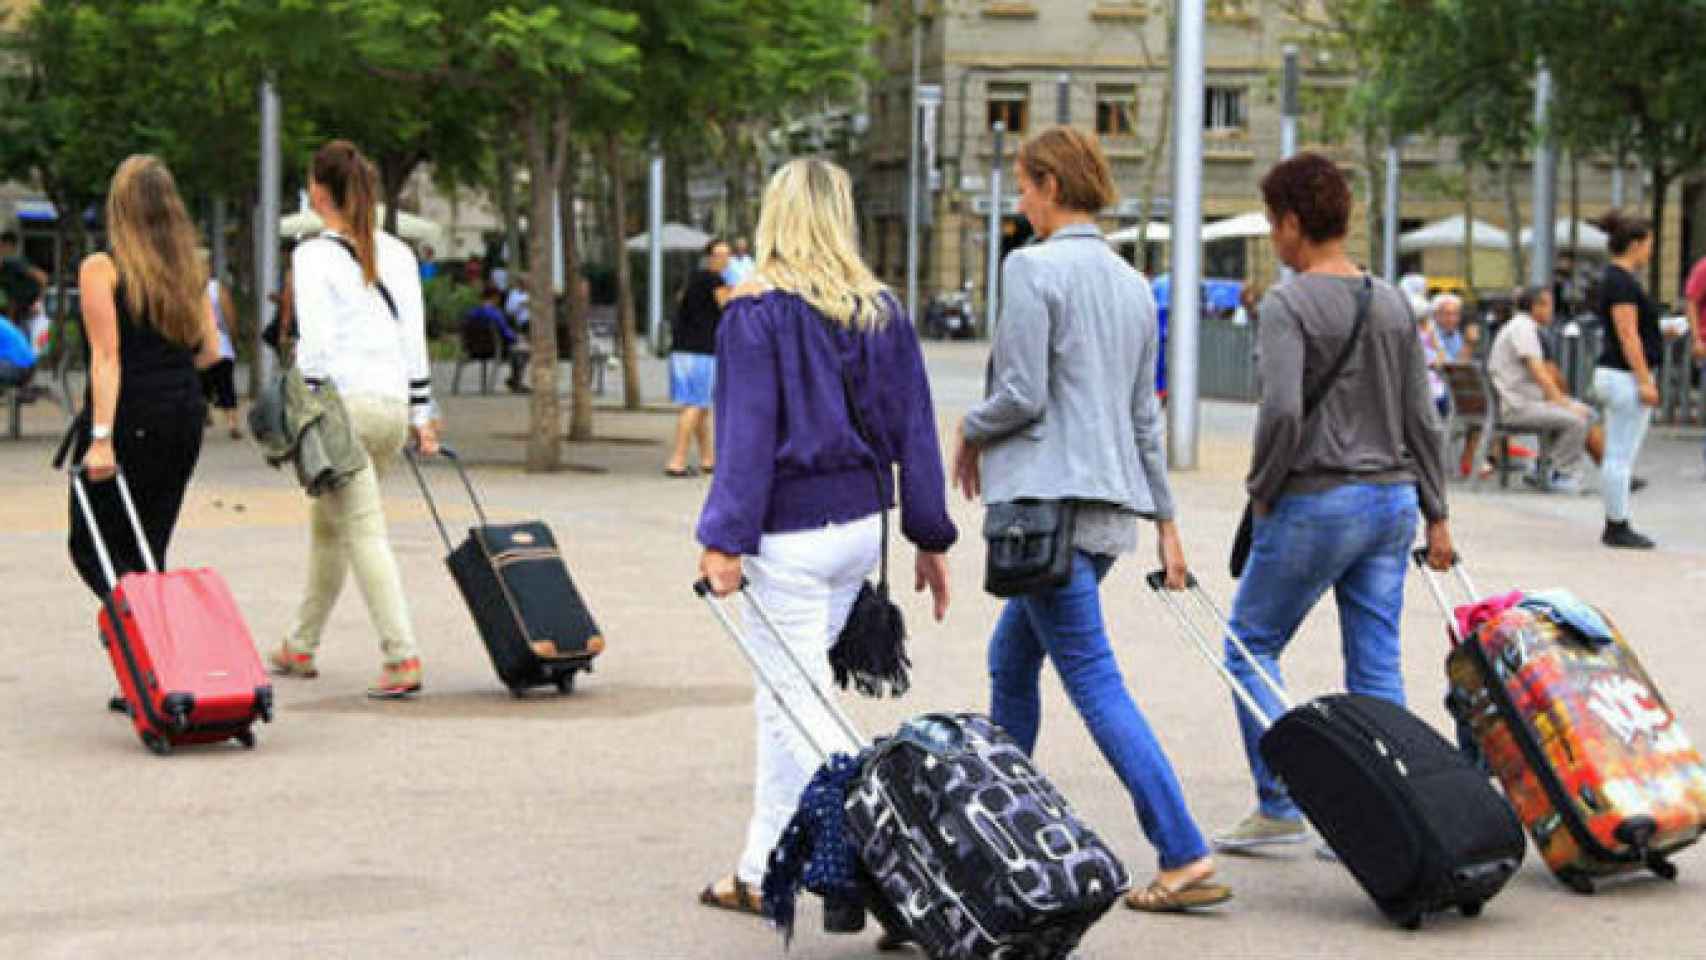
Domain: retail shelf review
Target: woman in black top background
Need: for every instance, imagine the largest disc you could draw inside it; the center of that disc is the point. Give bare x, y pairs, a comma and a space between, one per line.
693, 360
1634, 348
150, 329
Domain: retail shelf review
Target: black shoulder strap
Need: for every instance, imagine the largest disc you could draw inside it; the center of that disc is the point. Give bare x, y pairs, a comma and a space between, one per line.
1365, 297
350, 247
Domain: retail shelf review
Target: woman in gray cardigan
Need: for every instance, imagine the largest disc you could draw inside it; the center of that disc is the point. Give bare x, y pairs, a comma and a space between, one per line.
1071, 414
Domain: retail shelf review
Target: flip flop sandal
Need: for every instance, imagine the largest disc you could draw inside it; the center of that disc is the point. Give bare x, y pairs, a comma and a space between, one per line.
681, 474
742, 899
1157, 898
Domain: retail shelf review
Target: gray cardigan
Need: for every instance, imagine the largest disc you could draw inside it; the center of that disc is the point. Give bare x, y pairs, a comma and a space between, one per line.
1070, 408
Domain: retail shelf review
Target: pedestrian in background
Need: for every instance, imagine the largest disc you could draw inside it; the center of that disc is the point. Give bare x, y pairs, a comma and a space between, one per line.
149, 329
1334, 495
1624, 379
693, 360
362, 329
795, 506
1072, 415
741, 264
219, 382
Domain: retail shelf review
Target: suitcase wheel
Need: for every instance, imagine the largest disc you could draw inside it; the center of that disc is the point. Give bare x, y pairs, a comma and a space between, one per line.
158, 744
519, 692
1411, 921
566, 682
1664, 869
1577, 881
1471, 909
246, 738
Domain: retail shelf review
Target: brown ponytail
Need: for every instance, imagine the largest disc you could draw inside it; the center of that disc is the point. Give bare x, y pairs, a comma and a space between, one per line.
350, 179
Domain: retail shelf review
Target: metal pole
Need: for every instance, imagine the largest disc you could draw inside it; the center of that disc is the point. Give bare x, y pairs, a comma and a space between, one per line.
992, 288
913, 165
1617, 185
1185, 319
219, 252
1545, 184
1063, 99
654, 259
1389, 240
266, 223
1291, 107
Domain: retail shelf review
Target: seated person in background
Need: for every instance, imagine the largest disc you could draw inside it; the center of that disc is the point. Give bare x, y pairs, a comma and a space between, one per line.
1531, 398
17, 359
1447, 309
490, 316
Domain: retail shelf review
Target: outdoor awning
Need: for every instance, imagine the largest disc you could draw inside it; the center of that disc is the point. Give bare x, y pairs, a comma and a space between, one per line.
410, 227
1245, 226
1449, 234
1159, 232
676, 237
1589, 238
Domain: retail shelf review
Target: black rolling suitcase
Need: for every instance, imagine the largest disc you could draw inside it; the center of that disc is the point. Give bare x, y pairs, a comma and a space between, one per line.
532, 619
1416, 824
966, 848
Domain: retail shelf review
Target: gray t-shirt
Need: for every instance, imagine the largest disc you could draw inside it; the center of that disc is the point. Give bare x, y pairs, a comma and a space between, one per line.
1377, 423
1507, 363
1104, 530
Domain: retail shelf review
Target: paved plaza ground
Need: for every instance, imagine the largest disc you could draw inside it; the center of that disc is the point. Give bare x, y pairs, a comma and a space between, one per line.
469, 824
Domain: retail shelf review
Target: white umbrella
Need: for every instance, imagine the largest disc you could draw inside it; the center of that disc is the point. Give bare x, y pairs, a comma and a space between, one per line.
1242, 227
1158, 233
1449, 234
1589, 238
410, 227
676, 237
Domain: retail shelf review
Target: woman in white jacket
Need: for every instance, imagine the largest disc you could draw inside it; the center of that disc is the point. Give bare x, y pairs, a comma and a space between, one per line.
358, 310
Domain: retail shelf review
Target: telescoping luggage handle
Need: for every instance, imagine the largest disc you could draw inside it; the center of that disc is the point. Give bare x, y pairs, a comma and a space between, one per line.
432, 504
854, 743
1199, 638
81, 492
1432, 577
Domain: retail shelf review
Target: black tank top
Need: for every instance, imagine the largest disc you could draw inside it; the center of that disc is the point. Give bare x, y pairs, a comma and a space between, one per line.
157, 378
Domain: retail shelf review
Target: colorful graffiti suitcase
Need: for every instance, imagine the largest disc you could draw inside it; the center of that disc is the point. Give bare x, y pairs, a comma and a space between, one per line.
1594, 760
185, 661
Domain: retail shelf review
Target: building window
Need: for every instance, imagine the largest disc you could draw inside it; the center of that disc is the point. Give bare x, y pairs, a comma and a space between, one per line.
1224, 110
1116, 109
1010, 104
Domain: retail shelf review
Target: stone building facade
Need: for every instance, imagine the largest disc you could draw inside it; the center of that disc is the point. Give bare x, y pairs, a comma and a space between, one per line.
1011, 60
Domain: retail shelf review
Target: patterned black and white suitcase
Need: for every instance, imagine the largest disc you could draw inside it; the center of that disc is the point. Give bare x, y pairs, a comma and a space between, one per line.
972, 849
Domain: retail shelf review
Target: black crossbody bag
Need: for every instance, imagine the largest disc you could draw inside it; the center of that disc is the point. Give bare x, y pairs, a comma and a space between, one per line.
870, 651
1247, 526
1029, 546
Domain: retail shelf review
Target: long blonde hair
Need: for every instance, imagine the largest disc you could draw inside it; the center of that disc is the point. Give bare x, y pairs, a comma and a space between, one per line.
154, 247
808, 245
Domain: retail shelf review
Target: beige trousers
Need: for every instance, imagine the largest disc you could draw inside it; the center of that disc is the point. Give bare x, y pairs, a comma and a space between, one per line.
349, 531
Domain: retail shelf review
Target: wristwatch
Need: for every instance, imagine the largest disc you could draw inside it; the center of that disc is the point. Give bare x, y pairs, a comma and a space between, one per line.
100, 432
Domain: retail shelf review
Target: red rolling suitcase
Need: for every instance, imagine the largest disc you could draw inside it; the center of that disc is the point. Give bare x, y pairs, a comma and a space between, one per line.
185, 661
1590, 754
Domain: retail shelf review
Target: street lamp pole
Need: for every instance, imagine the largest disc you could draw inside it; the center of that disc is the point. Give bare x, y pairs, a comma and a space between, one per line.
1545, 183
1291, 107
1389, 242
992, 288
654, 249
1185, 319
913, 160
266, 232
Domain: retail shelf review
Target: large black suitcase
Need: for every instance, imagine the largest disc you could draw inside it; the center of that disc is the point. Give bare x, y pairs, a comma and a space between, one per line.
1418, 826
529, 614
968, 849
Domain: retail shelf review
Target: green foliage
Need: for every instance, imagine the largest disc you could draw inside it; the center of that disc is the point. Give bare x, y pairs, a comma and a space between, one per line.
447, 300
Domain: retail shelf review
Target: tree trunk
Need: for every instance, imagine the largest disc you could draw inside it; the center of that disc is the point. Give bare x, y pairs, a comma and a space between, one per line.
1469, 227
580, 338
507, 209
1373, 165
626, 333
543, 130
61, 309
1513, 220
394, 173
249, 280
1656, 266
1157, 153
1575, 211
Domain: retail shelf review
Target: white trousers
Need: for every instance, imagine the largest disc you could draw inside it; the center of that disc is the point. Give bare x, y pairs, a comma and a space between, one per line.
806, 583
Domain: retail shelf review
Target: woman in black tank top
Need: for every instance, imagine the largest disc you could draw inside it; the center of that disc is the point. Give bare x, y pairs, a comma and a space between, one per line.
148, 332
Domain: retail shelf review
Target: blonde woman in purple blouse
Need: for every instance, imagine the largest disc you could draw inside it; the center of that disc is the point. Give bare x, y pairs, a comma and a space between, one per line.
793, 505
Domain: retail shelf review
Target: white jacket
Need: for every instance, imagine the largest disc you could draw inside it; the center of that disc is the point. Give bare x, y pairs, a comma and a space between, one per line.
347, 333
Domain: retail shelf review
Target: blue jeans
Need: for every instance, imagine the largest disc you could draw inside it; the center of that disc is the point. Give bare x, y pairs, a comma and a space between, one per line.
1066, 626
1626, 423
1354, 539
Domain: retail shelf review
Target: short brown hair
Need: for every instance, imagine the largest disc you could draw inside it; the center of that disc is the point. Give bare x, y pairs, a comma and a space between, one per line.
1076, 161
1312, 187
1624, 230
